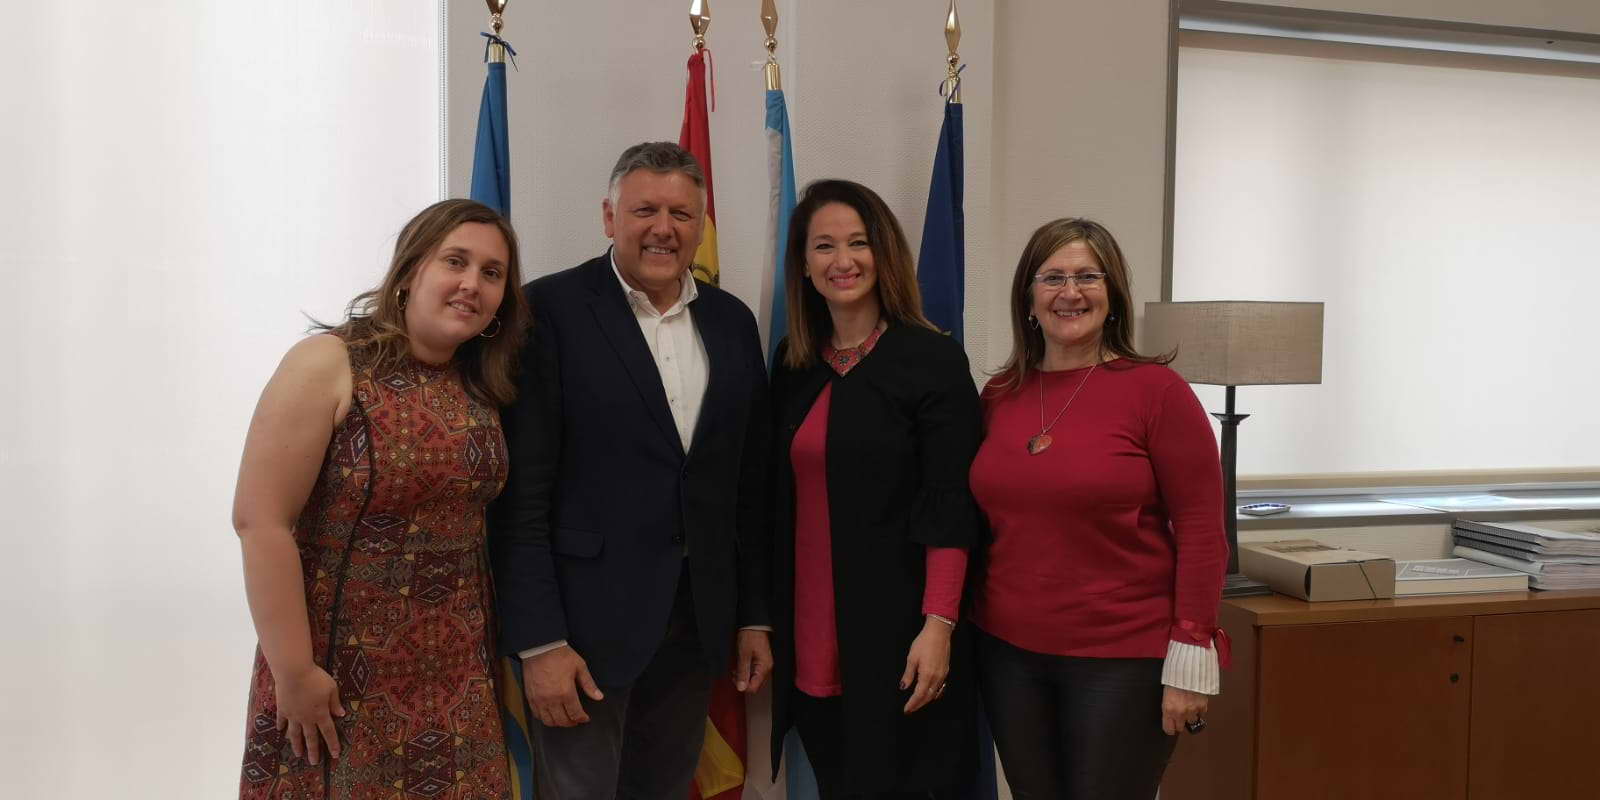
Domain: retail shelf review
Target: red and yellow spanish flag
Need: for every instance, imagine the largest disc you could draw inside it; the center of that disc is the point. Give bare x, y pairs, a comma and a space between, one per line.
720, 774
696, 138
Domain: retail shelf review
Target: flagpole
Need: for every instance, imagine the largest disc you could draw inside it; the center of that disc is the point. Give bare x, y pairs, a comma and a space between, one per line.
491, 156
497, 10
769, 20
700, 21
941, 262
952, 38
699, 100
781, 202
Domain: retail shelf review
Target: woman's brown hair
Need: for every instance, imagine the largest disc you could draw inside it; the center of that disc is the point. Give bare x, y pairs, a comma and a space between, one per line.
899, 299
375, 328
1027, 341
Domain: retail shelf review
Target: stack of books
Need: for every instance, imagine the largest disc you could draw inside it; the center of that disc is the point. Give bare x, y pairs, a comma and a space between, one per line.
1553, 559
1455, 576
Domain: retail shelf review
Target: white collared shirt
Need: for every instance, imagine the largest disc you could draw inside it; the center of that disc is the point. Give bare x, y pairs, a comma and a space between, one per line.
675, 345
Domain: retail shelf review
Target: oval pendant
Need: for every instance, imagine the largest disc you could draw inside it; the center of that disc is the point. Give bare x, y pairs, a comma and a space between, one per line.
1039, 444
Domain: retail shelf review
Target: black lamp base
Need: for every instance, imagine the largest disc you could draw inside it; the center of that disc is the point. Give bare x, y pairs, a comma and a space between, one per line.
1238, 585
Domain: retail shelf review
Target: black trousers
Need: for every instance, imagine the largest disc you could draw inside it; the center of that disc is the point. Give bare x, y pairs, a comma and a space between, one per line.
819, 722
643, 740
1074, 728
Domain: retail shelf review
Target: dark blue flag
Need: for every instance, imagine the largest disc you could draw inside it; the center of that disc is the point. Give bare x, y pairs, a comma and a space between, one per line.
942, 262
942, 274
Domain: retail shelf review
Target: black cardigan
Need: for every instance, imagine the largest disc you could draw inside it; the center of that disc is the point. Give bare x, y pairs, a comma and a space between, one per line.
903, 427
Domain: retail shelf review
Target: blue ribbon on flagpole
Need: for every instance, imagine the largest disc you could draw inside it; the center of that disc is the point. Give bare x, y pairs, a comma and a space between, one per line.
944, 84
495, 40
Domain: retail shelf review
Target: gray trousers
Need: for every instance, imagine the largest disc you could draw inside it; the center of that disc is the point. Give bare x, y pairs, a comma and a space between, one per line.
642, 742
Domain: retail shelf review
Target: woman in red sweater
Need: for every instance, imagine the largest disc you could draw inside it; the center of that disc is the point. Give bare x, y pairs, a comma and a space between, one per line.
877, 422
1097, 600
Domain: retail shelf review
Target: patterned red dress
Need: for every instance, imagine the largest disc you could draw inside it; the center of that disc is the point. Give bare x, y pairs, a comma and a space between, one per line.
397, 586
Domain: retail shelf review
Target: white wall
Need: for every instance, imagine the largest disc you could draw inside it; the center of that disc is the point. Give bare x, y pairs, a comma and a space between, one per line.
181, 180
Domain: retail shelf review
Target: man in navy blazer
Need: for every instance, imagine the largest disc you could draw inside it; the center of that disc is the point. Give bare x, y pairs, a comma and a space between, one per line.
630, 546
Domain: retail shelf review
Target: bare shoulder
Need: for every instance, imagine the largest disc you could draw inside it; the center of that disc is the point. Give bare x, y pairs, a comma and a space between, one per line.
317, 369
321, 354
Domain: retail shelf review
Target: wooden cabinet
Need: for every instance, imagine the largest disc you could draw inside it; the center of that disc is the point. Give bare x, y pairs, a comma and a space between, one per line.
1535, 706
1486, 697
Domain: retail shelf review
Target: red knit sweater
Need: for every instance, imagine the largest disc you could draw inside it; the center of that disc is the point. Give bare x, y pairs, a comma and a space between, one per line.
1110, 542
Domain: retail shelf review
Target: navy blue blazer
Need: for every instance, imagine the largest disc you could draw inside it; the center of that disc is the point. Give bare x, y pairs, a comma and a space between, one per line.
588, 537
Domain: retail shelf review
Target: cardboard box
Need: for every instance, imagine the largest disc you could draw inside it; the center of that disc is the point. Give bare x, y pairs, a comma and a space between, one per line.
1311, 570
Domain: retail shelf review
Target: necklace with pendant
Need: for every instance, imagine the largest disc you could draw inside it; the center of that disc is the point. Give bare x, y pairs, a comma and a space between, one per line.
1041, 441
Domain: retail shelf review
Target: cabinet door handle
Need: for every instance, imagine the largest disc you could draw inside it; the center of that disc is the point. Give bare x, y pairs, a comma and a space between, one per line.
1459, 638
1455, 677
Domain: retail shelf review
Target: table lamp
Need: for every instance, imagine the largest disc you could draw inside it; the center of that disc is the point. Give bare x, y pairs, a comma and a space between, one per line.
1237, 343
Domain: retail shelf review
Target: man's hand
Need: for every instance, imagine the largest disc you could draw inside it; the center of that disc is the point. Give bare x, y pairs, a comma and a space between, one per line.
1179, 706
551, 680
755, 661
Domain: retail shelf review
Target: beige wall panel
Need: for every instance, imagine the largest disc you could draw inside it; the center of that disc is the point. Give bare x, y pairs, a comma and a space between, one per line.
1080, 130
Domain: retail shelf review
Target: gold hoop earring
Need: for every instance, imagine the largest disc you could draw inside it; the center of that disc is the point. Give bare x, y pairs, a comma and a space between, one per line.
497, 326
400, 298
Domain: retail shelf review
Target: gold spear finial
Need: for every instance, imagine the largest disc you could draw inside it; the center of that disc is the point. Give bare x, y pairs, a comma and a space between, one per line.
700, 21
952, 37
497, 10
769, 20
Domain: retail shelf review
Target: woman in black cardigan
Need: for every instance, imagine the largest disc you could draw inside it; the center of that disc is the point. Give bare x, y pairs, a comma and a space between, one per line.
878, 420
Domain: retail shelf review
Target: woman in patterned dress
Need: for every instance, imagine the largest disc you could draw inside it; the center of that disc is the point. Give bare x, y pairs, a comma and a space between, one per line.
360, 511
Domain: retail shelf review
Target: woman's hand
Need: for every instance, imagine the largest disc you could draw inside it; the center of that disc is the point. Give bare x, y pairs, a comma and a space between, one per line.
308, 700
1179, 706
293, 423
927, 664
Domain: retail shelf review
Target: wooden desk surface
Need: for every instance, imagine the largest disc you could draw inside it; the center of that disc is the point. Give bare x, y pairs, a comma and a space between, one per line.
1280, 609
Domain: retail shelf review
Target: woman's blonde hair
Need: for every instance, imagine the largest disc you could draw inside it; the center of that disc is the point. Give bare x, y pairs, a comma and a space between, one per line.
375, 328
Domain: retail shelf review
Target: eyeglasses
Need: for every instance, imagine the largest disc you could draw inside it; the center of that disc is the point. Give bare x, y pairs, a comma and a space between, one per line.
1083, 280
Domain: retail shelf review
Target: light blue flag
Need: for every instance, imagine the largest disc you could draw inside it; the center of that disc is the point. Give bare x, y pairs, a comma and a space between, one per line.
780, 173
800, 782
491, 157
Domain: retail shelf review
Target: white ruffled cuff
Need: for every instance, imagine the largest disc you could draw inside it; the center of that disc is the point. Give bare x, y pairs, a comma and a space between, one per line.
1192, 667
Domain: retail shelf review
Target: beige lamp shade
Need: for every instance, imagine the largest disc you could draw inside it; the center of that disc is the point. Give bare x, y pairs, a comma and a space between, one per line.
1238, 343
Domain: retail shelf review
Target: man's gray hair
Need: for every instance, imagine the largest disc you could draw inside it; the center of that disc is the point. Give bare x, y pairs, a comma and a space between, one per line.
657, 157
